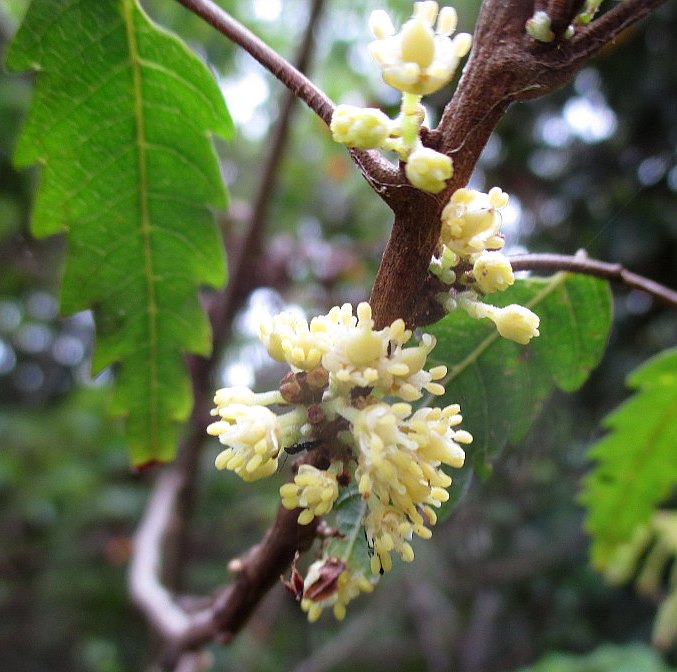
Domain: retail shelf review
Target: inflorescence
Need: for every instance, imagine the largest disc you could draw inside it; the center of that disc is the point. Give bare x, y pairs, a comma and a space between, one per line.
347, 408
347, 403
418, 60
470, 261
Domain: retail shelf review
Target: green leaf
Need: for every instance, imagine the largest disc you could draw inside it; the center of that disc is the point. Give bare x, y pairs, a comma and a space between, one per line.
606, 658
501, 385
351, 546
121, 122
636, 463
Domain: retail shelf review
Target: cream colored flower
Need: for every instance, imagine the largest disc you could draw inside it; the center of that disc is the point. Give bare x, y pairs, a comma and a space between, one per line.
363, 357
388, 530
364, 128
514, 322
399, 471
418, 59
492, 272
428, 170
253, 435
517, 323
402, 373
471, 221
357, 350
289, 338
313, 489
330, 583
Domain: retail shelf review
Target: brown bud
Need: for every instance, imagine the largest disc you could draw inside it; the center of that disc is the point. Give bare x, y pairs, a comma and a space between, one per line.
318, 378
290, 389
315, 414
326, 583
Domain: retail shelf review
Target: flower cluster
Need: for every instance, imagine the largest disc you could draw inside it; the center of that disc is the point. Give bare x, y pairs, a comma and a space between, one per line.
399, 472
469, 257
353, 353
418, 60
313, 489
348, 389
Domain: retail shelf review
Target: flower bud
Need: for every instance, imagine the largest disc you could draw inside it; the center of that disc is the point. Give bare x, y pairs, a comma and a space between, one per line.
538, 26
516, 323
428, 170
493, 272
364, 128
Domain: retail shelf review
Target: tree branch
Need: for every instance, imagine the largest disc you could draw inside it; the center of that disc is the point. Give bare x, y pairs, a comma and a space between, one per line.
376, 169
159, 606
601, 269
609, 25
291, 77
505, 65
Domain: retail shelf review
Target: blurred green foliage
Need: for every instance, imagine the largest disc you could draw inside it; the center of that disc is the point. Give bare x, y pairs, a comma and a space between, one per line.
633, 658
506, 579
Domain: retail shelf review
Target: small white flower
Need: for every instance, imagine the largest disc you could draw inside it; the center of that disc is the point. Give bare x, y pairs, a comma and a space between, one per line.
388, 530
313, 489
252, 434
356, 350
418, 59
513, 322
471, 221
289, 338
402, 373
516, 323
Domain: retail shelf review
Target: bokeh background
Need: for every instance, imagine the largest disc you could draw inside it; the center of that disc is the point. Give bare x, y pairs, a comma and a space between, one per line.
506, 580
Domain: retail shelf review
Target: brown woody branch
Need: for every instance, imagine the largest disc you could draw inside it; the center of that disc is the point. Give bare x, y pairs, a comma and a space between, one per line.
601, 269
505, 65
186, 622
377, 170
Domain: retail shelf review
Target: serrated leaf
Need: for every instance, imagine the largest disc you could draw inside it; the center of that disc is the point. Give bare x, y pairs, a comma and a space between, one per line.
636, 463
121, 122
501, 385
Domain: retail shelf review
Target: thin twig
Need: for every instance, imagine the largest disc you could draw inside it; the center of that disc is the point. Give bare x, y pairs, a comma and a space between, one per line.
291, 77
600, 269
607, 27
381, 175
